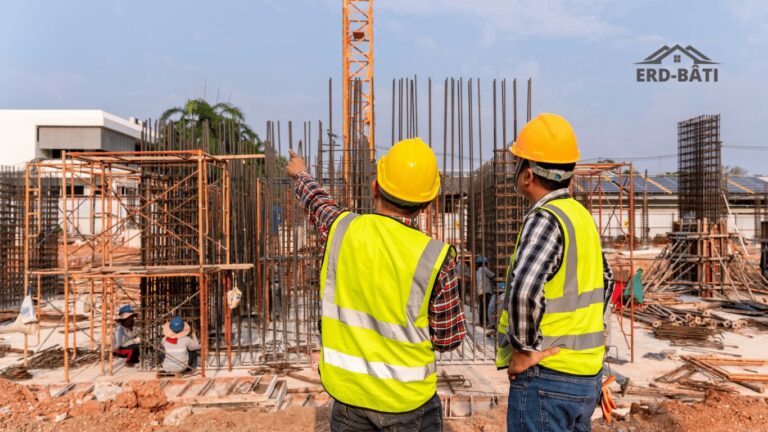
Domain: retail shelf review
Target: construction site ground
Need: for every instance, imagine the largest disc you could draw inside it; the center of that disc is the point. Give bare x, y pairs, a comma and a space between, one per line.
474, 395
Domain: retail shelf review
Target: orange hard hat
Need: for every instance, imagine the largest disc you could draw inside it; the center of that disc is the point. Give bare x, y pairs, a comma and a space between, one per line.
408, 172
548, 138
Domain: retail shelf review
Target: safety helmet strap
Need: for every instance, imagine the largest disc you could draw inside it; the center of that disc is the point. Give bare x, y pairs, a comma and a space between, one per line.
518, 170
549, 173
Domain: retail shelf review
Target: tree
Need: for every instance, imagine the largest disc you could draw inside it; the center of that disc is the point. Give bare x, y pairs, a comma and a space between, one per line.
222, 121
734, 171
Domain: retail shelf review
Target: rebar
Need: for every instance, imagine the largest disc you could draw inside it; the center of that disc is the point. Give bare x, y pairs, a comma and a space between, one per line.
700, 174
43, 245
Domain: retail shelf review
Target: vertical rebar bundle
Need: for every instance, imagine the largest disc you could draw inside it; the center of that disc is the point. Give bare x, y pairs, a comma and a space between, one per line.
11, 243
700, 182
43, 250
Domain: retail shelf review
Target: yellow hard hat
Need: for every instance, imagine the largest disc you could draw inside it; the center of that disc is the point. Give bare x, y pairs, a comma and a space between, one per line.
408, 172
548, 138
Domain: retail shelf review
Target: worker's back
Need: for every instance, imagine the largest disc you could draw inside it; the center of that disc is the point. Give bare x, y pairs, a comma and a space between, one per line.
376, 282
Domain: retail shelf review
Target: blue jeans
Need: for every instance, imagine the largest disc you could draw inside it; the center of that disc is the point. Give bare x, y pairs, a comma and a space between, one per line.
426, 418
541, 399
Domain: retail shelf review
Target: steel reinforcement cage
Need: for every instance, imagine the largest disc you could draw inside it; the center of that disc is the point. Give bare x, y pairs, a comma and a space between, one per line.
700, 173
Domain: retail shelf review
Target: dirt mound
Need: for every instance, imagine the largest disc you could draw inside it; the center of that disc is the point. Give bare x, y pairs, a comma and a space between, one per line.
25, 408
126, 399
494, 420
291, 419
717, 412
151, 396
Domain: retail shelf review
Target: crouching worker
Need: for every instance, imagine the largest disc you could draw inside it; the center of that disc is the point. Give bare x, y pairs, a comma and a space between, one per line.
181, 349
126, 340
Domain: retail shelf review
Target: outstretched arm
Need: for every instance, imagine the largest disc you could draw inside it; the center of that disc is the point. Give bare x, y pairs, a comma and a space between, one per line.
321, 206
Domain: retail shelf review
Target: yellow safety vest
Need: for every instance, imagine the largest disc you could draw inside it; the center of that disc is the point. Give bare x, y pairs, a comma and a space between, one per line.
375, 284
573, 315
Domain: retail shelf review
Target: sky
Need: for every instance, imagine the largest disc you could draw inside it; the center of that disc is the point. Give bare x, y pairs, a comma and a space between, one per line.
273, 59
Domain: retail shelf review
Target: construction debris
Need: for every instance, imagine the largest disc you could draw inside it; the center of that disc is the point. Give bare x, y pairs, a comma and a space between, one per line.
702, 259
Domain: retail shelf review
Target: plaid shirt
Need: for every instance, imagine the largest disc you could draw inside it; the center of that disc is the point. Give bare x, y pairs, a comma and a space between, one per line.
539, 255
446, 315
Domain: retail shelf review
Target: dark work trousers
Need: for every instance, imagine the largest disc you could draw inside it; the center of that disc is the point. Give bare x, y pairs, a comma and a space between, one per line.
483, 300
130, 353
426, 418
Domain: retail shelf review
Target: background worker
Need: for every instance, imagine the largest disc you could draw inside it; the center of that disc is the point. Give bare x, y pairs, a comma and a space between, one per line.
484, 282
558, 284
180, 346
126, 339
389, 296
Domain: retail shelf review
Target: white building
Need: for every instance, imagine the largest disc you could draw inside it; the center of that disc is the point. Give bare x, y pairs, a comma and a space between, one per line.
33, 134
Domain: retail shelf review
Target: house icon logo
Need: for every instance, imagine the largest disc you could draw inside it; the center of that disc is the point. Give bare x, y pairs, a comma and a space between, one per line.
668, 64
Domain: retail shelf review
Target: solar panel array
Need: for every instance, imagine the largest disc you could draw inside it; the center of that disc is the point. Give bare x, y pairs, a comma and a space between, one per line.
667, 184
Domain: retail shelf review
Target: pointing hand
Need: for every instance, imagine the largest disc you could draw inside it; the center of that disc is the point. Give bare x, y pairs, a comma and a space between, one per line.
295, 165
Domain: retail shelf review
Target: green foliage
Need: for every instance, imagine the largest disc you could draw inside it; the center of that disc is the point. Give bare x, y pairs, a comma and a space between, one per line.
736, 171
222, 124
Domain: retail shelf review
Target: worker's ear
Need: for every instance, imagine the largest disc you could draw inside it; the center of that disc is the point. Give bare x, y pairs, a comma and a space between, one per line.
375, 189
527, 177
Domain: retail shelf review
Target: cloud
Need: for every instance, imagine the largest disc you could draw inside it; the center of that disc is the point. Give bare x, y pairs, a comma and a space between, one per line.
753, 15
521, 18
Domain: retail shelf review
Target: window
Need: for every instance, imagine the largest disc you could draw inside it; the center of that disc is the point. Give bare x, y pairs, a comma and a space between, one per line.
676, 58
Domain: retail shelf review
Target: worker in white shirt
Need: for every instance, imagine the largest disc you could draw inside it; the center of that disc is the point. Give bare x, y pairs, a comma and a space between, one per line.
181, 348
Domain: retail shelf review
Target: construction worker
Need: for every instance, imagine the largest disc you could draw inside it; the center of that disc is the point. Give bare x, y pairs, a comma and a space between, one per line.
389, 296
180, 347
558, 282
126, 338
484, 289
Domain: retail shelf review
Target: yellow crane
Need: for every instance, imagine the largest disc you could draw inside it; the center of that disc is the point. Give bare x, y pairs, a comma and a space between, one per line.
357, 64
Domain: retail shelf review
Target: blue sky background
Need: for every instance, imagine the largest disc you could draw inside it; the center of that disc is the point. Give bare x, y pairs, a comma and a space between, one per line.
273, 59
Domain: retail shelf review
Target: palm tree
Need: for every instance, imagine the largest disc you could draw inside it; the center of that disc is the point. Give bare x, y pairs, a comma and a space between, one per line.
219, 119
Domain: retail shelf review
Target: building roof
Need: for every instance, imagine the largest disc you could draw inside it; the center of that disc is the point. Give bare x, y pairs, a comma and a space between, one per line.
667, 184
95, 118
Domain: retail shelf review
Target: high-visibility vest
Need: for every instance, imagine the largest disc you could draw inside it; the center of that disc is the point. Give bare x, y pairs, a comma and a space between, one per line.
375, 285
573, 315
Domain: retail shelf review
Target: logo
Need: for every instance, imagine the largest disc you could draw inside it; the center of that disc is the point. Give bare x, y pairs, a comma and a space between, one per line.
669, 64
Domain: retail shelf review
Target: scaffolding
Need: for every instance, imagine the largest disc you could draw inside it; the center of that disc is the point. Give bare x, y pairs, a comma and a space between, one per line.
606, 190
177, 203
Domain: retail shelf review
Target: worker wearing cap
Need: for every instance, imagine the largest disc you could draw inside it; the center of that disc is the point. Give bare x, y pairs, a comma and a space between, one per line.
126, 338
550, 334
389, 296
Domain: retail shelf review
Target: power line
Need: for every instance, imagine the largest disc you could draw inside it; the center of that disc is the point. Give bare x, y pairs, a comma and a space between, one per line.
746, 147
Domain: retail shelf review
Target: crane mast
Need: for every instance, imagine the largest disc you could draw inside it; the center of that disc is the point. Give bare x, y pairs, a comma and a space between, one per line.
357, 65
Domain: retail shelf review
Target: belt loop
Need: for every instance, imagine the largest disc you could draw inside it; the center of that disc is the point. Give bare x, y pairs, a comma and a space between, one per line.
535, 372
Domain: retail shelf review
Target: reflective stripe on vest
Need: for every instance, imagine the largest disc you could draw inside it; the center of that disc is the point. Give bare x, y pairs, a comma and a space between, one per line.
571, 300
385, 363
582, 351
419, 286
377, 369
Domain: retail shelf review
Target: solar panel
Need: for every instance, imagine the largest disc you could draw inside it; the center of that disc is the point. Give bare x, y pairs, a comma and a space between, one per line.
669, 182
753, 183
